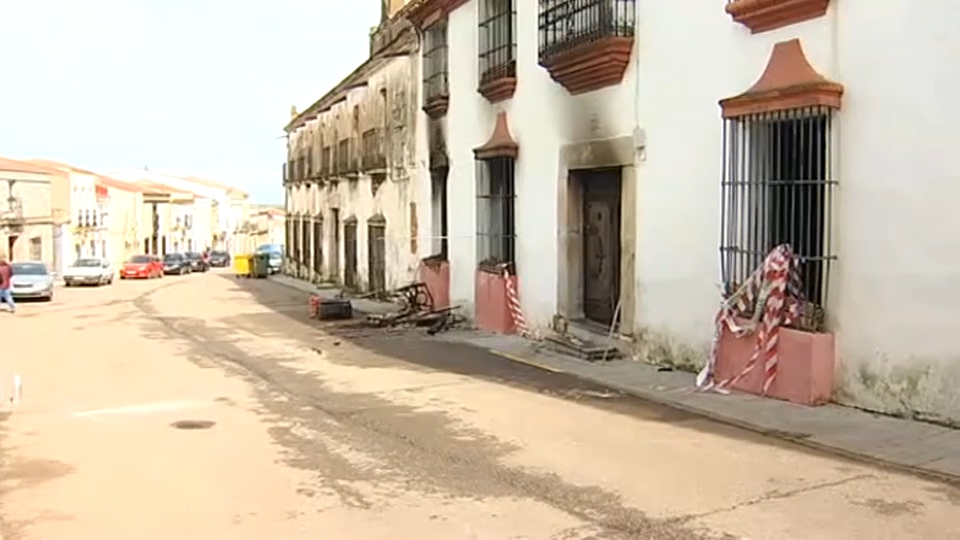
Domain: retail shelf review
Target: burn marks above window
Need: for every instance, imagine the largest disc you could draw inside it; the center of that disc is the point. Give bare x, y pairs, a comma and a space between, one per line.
498, 49
436, 93
585, 45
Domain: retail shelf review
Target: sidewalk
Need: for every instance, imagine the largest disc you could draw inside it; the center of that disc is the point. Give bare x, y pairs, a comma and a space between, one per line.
916, 447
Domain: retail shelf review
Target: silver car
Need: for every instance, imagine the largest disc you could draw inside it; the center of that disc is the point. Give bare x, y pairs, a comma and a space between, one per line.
31, 280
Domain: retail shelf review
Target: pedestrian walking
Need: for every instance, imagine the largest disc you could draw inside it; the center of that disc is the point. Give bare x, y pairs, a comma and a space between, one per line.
6, 294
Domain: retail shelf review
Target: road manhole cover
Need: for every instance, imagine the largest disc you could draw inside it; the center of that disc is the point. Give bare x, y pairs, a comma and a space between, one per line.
193, 424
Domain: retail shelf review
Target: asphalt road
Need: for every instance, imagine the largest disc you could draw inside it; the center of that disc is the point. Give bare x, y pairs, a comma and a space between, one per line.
207, 407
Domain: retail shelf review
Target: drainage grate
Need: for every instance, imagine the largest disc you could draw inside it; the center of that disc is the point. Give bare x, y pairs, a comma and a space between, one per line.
193, 424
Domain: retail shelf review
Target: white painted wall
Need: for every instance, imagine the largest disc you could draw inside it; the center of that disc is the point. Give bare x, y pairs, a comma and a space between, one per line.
407, 181
220, 195
543, 117
894, 299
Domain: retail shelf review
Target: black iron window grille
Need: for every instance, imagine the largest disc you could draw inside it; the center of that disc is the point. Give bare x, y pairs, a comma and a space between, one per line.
497, 40
569, 23
496, 240
778, 188
435, 62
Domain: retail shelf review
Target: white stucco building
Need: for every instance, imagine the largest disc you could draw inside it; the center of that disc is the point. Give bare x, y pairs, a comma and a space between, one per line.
720, 129
189, 225
354, 193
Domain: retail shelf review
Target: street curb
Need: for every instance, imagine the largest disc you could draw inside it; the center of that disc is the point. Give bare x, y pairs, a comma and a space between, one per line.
953, 480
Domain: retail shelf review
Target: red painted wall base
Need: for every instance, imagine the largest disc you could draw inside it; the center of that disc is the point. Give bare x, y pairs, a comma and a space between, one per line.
492, 308
805, 373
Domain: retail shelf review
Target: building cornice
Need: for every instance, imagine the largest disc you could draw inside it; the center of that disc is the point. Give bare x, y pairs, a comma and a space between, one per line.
765, 15
404, 43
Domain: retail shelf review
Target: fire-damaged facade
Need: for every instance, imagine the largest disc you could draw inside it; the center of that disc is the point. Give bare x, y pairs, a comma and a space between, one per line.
351, 175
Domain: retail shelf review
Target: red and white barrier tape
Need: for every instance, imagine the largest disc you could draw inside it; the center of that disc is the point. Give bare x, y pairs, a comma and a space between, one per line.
513, 303
773, 294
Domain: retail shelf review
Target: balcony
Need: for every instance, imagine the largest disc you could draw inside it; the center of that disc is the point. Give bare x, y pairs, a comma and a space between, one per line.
308, 165
347, 159
11, 214
586, 45
326, 162
373, 154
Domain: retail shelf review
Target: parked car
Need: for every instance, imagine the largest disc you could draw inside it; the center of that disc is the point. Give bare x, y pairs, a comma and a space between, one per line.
176, 263
31, 280
196, 261
142, 267
89, 271
219, 259
276, 256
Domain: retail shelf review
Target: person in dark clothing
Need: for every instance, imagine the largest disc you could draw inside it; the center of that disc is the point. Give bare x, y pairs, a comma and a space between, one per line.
6, 295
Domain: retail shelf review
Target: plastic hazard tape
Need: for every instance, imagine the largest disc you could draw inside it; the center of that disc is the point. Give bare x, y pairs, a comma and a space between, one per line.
772, 294
513, 304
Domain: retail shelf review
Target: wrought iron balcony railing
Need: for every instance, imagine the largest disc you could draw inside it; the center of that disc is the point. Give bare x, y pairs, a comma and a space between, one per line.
373, 150
346, 157
326, 161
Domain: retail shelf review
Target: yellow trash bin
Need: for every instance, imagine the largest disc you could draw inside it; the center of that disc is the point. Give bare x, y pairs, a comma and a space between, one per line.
241, 265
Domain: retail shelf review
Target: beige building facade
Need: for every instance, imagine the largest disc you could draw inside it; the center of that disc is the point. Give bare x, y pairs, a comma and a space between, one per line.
33, 212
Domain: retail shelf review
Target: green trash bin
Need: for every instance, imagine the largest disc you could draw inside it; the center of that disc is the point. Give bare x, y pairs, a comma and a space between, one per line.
260, 265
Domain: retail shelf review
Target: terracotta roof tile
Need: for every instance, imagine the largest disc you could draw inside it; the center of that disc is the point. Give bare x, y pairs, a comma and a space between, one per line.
13, 165
119, 184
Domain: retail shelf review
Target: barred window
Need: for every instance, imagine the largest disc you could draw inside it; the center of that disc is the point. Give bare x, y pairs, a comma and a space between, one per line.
435, 62
568, 23
778, 188
498, 41
495, 212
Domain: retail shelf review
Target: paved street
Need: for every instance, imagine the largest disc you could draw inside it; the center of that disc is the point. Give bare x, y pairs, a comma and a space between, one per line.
303, 433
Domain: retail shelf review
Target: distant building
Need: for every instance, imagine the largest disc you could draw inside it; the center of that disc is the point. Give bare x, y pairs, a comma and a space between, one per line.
32, 225
355, 193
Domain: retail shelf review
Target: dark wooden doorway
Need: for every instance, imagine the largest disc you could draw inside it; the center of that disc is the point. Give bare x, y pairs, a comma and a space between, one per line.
439, 189
377, 253
601, 243
318, 245
350, 253
335, 245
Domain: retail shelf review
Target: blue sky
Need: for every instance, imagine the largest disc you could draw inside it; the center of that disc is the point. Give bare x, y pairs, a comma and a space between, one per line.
201, 87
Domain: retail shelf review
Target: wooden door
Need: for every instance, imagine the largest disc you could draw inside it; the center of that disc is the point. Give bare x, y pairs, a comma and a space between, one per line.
601, 244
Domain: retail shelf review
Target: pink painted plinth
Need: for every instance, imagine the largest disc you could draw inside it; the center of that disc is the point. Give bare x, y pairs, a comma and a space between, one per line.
492, 307
805, 372
437, 279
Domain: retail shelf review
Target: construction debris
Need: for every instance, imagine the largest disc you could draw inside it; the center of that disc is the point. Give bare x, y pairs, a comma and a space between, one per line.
416, 309
330, 309
581, 348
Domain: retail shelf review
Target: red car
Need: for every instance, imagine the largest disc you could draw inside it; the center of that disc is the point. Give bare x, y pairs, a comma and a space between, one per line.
142, 267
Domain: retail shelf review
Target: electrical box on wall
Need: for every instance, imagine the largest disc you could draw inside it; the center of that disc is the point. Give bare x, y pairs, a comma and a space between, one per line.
640, 142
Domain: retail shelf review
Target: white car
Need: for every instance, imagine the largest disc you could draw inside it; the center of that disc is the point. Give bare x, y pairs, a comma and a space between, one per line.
31, 280
88, 271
